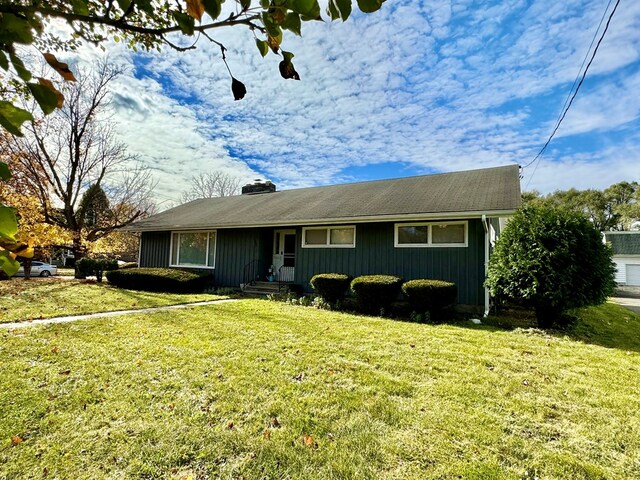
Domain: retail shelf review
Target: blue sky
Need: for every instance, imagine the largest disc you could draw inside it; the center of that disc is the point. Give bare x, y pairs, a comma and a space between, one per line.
421, 86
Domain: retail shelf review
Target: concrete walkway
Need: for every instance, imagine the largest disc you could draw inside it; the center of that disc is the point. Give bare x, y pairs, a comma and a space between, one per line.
73, 318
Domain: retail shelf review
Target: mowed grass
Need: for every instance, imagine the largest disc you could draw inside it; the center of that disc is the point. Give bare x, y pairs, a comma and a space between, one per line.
44, 298
255, 390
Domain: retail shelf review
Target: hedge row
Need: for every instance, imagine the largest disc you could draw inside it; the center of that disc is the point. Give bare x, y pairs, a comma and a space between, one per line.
168, 280
95, 266
373, 292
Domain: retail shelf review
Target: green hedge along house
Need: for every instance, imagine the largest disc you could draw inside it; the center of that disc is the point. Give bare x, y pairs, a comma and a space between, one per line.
432, 226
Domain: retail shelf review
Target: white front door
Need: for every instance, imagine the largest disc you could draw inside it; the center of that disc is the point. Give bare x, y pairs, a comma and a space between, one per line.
284, 251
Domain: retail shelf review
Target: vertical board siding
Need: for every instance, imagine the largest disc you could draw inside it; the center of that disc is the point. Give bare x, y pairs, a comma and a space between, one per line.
236, 248
154, 250
375, 254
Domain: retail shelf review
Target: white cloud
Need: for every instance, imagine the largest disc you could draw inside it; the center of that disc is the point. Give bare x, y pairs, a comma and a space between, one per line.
438, 85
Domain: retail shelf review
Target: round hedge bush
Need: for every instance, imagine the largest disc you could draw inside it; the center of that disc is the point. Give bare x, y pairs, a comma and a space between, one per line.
374, 292
553, 260
331, 286
169, 280
430, 295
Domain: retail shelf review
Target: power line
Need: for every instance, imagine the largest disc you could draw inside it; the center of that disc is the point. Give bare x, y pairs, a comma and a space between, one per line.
571, 97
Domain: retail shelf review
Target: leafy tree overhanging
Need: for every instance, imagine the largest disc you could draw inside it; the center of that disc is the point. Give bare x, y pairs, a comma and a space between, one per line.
145, 24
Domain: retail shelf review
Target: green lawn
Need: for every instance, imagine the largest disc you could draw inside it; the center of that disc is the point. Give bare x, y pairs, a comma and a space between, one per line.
255, 389
44, 298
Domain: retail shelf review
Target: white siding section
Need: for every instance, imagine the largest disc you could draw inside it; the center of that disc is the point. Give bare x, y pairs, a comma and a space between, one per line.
622, 270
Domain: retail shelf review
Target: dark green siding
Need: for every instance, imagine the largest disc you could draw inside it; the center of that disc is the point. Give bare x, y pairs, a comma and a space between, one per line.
154, 250
237, 247
234, 249
375, 254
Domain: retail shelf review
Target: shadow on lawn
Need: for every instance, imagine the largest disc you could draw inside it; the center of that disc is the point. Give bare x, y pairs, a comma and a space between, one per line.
608, 325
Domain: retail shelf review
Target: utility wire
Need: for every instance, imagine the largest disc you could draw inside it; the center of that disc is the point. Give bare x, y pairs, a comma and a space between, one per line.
571, 97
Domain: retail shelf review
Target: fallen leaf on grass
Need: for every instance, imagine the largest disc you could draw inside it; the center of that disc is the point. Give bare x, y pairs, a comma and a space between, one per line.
266, 434
309, 441
230, 425
275, 423
55, 349
15, 440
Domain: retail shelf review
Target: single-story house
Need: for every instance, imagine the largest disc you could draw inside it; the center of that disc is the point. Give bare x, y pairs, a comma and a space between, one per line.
431, 226
626, 256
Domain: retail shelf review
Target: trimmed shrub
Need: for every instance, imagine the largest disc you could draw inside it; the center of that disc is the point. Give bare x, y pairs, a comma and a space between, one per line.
553, 260
331, 286
168, 280
95, 266
431, 296
374, 292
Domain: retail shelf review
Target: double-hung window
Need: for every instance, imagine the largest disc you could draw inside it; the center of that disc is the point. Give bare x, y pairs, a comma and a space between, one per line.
193, 249
432, 234
343, 236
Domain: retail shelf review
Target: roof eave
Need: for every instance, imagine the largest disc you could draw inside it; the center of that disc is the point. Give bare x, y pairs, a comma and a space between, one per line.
331, 221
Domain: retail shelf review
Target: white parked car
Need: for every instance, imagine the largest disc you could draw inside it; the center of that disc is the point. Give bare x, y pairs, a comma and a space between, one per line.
39, 269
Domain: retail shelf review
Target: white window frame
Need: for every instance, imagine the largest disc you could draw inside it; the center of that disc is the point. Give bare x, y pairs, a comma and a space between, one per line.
206, 258
328, 228
430, 243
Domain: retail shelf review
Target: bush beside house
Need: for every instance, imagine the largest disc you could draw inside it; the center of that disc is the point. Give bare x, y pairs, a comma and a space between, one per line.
431, 296
552, 260
331, 286
374, 292
167, 280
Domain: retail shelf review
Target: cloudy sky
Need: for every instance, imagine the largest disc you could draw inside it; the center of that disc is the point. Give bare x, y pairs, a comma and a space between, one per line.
421, 86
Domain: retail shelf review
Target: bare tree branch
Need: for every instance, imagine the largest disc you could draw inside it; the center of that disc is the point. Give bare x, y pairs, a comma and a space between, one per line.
212, 184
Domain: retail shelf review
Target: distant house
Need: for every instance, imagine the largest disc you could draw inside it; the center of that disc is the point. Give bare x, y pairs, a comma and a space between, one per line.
432, 226
626, 255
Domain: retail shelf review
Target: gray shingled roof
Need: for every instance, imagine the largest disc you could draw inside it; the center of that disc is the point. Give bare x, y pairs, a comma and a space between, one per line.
473, 192
624, 243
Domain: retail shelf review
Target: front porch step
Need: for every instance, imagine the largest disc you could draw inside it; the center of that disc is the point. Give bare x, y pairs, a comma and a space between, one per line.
262, 288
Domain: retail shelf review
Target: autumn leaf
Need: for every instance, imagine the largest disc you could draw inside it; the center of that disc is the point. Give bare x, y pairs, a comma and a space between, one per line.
274, 43
309, 441
266, 434
287, 70
195, 8
238, 89
55, 349
60, 67
47, 83
15, 440
230, 425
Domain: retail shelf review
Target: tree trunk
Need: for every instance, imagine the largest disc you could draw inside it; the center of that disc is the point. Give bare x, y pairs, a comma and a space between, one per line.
79, 252
547, 315
26, 267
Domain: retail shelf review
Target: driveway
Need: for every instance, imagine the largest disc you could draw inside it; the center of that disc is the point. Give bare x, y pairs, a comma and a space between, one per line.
628, 297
